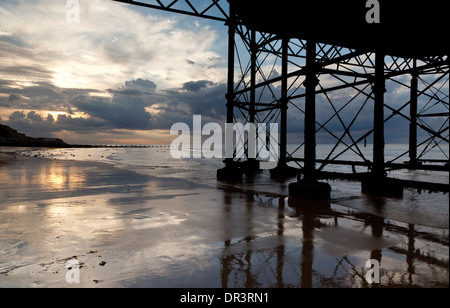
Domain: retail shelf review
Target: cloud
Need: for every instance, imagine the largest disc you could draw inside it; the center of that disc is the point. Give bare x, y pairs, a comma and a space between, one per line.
137, 105
100, 76
16, 116
13, 98
115, 113
124, 70
195, 86
137, 108
136, 87
141, 83
39, 96
111, 44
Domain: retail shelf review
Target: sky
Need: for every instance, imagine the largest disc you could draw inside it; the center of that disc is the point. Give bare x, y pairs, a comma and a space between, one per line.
125, 74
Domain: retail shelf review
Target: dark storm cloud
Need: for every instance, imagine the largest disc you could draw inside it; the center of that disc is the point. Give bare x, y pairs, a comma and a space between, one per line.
141, 83
36, 125
13, 98
40, 96
138, 87
209, 101
203, 98
32, 124
130, 107
118, 113
195, 86
137, 105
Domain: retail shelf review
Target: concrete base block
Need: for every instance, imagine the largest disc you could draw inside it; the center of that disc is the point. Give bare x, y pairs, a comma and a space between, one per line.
382, 186
229, 174
310, 190
284, 172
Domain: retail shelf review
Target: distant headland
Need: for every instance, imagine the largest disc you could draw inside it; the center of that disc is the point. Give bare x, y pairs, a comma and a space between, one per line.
11, 137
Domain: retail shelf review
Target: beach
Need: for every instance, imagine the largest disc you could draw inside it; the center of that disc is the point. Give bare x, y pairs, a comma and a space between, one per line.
173, 225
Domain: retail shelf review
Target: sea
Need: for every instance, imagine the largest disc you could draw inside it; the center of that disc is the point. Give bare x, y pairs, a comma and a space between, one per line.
415, 206
263, 237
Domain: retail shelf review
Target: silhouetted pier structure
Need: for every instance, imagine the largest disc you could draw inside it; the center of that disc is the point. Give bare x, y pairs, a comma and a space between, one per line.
324, 61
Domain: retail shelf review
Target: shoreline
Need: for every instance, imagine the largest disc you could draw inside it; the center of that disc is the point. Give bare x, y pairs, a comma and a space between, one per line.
344, 193
68, 146
86, 200
128, 229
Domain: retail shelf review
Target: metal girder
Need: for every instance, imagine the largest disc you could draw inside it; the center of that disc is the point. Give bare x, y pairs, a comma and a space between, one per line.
209, 9
257, 53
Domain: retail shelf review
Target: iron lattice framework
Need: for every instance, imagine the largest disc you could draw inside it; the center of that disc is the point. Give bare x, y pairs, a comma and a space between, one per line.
209, 9
273, 78
244, 264
326, 90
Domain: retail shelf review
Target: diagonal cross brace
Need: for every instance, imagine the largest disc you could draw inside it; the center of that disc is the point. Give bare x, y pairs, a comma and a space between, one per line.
220, 15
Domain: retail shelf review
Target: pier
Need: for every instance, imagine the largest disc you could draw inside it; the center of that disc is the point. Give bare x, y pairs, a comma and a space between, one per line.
328, 63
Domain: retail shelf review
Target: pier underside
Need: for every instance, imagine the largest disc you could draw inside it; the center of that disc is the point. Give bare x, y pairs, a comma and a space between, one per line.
405, 29
324, 73
323, 66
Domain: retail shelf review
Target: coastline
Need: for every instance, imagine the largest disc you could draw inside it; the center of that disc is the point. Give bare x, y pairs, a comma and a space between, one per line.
128, 229
86, 211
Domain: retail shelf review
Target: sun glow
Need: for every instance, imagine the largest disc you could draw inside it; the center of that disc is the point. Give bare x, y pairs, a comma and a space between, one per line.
65, 79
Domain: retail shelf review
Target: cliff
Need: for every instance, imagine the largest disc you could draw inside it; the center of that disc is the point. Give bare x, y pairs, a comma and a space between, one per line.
11, 137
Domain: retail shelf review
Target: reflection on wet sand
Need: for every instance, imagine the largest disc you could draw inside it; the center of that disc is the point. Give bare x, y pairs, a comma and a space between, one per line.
47, 176
331, 254
165, 232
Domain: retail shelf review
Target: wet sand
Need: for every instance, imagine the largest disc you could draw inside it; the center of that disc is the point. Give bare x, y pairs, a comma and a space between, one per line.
132, 230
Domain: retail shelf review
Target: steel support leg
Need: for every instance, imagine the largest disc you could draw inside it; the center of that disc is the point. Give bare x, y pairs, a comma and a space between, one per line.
378, 182
284, 104
378, 120
413, 115
252, 164
283, 170
310, 112
230, 171
309, 187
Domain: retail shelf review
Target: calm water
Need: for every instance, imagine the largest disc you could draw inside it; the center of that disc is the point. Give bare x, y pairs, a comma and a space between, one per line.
417, 208
177, 226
